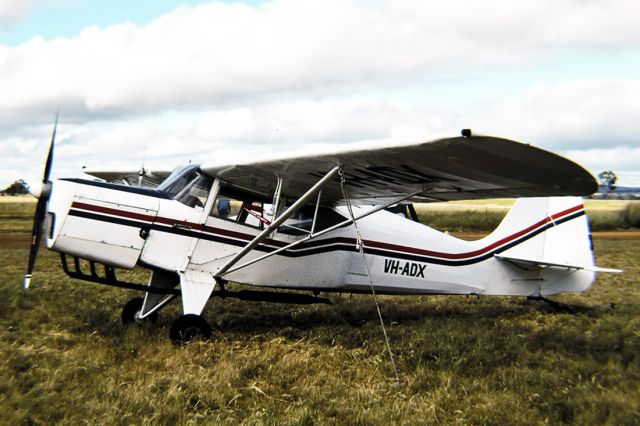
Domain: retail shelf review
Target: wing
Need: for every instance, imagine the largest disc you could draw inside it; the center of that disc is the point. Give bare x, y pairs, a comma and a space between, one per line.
456, 168
151, 178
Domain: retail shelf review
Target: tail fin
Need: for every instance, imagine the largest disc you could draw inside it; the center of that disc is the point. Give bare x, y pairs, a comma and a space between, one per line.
557, 228
551, 235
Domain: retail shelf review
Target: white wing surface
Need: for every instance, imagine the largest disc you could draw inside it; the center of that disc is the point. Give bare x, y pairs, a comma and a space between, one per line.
456, 168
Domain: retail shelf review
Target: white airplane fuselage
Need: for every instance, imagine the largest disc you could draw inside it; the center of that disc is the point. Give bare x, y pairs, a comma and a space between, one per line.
125, 226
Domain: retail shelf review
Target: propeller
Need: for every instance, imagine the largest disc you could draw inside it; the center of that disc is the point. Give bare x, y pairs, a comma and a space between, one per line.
41, 209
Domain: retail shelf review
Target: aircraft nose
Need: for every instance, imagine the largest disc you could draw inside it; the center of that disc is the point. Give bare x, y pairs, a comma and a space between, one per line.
36, 190
41, 190
61, 195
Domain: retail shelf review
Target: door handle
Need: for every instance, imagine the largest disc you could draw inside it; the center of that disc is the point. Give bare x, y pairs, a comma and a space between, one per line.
182, 226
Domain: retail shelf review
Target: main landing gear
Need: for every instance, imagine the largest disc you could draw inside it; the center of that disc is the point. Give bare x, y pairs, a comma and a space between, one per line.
189, 327
183, 330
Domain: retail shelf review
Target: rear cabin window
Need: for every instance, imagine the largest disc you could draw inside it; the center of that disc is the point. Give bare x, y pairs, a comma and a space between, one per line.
301, 222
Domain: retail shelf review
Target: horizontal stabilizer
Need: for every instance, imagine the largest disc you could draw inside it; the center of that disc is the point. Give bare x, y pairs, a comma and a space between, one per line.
539, 264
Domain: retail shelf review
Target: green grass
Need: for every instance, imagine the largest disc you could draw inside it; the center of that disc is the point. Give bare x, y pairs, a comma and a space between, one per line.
461, 220
65, 358
632, 214
16, 214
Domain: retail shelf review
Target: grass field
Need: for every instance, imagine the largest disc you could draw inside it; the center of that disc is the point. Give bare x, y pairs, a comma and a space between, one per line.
65, 358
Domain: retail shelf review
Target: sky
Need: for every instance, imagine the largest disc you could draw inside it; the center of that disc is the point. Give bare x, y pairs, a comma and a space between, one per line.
166, 82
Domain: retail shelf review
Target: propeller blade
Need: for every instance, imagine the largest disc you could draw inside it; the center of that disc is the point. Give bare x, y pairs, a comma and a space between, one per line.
41, 208
49, 162
36, 236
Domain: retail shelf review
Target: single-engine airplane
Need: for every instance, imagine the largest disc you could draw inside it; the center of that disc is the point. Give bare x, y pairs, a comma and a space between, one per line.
319, 223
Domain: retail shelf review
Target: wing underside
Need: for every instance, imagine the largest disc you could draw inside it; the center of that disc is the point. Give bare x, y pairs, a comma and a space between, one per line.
456, 168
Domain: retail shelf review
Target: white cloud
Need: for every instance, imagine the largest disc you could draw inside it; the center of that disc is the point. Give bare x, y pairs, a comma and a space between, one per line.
621, 160
573, 119
13, 10
171, 138
618, 159
216, 52
582, 113
209, 81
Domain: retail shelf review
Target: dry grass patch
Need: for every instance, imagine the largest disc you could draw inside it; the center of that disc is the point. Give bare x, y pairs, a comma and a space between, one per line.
66, 358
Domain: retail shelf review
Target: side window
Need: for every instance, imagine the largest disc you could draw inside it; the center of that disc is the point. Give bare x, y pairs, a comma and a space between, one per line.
302, 221
240, 208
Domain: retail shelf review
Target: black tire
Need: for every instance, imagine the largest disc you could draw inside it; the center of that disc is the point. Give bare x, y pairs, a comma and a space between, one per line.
189, 327
132, 309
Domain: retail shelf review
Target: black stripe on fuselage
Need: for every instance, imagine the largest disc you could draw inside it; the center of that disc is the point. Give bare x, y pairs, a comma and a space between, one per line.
329, 244
162, 228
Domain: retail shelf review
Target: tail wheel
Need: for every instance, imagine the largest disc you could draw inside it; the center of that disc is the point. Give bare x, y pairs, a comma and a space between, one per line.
189, 327
132, 310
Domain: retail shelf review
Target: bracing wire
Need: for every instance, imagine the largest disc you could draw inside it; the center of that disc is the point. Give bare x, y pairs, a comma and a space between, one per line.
360, 248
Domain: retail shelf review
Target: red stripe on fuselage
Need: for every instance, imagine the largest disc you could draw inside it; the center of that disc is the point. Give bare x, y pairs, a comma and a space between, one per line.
479, 252
368, 243
170, 222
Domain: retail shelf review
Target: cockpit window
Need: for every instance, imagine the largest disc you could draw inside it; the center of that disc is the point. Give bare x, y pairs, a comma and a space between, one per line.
189, 185
240, 207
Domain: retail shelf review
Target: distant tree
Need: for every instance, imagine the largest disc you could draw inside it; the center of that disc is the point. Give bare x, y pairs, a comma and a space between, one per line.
607, 181
19, 187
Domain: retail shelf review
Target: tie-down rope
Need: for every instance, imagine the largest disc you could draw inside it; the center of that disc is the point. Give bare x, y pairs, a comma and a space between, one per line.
360, 247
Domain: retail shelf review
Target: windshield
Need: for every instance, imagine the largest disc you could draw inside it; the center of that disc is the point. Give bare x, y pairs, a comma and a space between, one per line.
177, 180
189, 185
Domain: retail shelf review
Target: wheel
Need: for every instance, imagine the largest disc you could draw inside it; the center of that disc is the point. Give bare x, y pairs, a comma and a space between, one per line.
131, 312
188, 327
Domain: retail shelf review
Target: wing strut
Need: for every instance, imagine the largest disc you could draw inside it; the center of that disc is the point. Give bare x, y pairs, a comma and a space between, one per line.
277, 222
324, 231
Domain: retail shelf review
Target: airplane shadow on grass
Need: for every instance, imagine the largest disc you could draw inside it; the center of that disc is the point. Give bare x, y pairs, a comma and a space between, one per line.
259, 318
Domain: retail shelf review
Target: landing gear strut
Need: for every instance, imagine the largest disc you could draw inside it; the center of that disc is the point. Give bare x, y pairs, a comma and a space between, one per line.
188, 327
131, 312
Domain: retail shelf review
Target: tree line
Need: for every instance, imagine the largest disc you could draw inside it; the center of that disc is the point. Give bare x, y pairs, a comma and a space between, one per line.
19, 187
